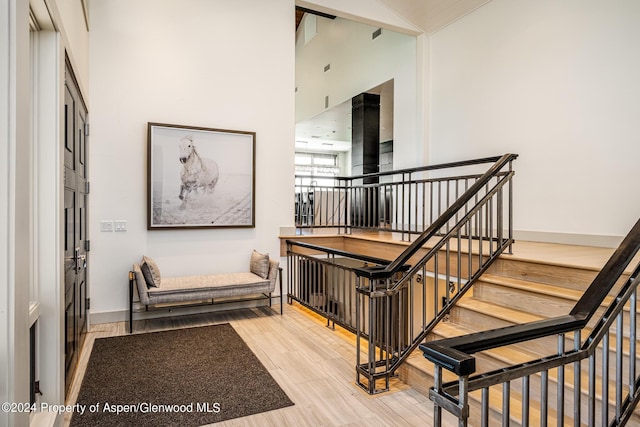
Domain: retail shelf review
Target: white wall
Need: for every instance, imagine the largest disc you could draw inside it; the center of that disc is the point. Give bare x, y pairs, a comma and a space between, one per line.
358, 64
557, 83
220, 64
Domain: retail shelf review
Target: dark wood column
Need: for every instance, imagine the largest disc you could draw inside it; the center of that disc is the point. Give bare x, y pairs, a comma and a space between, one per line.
365, 134
365, 157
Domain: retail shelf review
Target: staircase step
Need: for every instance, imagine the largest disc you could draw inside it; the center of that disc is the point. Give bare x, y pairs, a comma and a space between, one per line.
560, 275
418, 372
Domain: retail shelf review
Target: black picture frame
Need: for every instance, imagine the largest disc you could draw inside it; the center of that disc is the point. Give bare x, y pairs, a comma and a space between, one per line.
199, 177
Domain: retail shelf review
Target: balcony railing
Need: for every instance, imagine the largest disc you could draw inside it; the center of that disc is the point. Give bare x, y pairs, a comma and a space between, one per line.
323, 280
406, 201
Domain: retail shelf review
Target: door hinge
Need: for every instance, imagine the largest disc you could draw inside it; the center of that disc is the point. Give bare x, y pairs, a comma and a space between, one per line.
87, 245
88, 303
36, 388
86, 129
86, 187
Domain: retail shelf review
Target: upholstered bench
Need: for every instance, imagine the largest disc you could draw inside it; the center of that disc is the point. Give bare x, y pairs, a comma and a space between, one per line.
152, 289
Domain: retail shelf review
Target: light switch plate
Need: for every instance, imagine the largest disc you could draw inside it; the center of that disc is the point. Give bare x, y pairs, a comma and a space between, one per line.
121, 225
106, 226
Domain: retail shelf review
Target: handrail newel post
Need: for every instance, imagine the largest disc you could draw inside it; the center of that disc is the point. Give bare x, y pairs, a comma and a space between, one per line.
463, 397
437, 389
511, 240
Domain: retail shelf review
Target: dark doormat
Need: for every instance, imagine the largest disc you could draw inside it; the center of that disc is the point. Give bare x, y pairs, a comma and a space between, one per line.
185, 377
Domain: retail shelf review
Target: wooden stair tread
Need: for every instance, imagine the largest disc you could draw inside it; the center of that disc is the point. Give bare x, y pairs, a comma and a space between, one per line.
557, 291
498, 311
519, 317
540, 288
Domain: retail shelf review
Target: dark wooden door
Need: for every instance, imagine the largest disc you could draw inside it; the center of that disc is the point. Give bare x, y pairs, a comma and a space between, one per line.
75, 223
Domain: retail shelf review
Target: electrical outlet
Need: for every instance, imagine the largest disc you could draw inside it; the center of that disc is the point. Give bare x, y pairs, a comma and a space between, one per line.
106, 225
121, 225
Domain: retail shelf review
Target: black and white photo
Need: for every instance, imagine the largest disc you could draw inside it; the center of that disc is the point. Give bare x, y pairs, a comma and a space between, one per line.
200, 177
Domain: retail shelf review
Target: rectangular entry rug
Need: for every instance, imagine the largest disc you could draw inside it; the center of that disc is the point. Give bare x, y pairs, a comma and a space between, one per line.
184, 377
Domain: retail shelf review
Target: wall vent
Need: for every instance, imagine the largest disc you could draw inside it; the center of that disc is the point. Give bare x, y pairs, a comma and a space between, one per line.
327, 67
376, 33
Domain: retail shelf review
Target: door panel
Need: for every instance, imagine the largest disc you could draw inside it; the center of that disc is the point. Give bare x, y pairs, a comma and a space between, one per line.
75, 223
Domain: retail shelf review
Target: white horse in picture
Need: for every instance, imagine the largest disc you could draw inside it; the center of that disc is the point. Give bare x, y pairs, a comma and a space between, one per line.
197, 172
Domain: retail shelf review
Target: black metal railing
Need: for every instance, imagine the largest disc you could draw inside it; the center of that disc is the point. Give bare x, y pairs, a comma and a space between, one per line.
607, 358
398, 308
406, 201
323, 280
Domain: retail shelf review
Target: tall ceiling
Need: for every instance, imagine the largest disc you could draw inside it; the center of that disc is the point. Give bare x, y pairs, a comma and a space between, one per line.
331, 130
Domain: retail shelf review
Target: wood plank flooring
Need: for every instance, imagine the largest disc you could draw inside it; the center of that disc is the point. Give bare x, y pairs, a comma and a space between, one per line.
313, 364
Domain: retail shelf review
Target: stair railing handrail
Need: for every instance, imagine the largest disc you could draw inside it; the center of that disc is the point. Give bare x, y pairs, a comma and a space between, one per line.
396, 265
506, 375
442, 242
338, 252
454, 354
425, 168
385, 294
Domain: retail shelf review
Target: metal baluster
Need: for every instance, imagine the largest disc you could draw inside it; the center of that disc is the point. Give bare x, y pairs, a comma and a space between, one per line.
489, 206
500, 218
424, 203
459, 260
424, 297
632, 342
404, 206
430, 202
619, 355
506, 400
544, 398
435, 283
359, 313
448, 225
415, 185
411, 302
437, 387
485, 407
605, 379
511, 209
463, 397
439, 198
525, 401
447, 268
577, 382
373, 335
592, 389
560, 404
470, 249
480, 237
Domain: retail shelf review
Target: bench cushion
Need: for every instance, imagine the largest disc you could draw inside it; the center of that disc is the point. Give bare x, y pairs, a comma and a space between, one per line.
189, 288
201, 287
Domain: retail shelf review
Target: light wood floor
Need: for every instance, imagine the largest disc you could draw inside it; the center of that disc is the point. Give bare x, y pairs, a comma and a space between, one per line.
313, 364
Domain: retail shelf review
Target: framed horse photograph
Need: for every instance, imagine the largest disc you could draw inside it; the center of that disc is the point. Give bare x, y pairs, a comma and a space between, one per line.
199, 177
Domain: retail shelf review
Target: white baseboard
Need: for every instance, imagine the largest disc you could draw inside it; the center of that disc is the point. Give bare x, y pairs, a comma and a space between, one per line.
123, 315
597, 240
